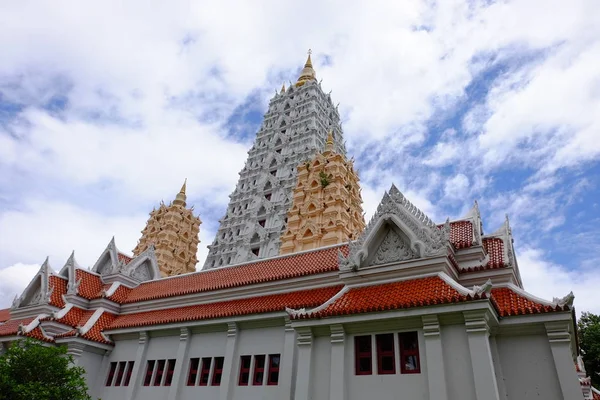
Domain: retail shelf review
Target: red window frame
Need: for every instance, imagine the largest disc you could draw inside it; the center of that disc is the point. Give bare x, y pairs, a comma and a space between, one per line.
149, 371
193, 372
273, 373
111, 373
130, 365
384, 351
217, 371
258, 376
204, 371
409, 347
170, 370
244, 370
365, 354
120, 372
160, 370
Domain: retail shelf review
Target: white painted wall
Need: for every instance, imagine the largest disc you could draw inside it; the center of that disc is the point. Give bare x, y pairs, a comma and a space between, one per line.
125, 350
321, 368
528, 367
212, 345
386, 387
457, 363
92, 363
159, 348
251, 342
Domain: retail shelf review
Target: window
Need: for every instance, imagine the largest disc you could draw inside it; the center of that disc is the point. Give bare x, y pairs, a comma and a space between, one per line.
409, 353
111, 373
273, 378
244, 370
217, 372
259, 370
362, 355
128, 374
268, 196
205, 371
193, 371
121, 370
159, 372
255, 250
149, 371
262, 222
274, 172
170, 371
386, 360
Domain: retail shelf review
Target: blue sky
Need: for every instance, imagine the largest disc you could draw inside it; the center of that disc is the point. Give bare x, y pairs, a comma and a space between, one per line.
105, 108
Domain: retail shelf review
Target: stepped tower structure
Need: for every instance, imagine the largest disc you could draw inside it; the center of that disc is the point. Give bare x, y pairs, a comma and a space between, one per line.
326, 206
294, 129
173, 231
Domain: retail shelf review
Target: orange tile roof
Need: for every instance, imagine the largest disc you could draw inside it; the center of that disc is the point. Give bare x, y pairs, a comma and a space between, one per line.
461, 234
4, 314
75, 317
494, 247
254, 305
392, 296
94, 334
124, 257
595, 394
292, 266
60, 288
11, 327
510, 303
120, 295
37, 333
91, 285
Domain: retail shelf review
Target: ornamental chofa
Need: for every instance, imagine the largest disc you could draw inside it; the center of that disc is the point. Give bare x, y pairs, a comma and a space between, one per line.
420, 236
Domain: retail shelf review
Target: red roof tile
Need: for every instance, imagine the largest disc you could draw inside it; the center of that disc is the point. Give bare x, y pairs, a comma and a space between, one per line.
124, 257
392, 296
60, 288
4, 314
595, 394
461, 234
11, 327
510, 303
36, 333
295, 265
120, 295
91, 285
94, 334
495, 248
75, 317
254, 305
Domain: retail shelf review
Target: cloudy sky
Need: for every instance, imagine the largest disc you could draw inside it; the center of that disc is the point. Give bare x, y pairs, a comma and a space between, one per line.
105, 108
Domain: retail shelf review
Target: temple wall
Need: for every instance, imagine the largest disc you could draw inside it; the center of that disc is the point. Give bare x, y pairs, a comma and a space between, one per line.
159, 348
125, 350
457, 363
92, 363
528, 367
321, 368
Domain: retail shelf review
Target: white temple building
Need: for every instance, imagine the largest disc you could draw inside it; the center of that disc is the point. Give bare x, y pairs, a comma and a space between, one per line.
399, 308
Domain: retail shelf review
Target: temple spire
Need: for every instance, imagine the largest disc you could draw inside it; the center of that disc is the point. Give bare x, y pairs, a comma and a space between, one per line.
308, 73
181, 197
283, 88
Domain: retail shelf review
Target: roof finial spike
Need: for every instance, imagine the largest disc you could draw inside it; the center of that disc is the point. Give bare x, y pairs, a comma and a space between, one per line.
283, 88
330, 140
308, 73
181, 196
183, 187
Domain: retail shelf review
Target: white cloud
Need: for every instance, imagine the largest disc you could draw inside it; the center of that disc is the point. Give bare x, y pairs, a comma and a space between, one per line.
548, 280
13, 280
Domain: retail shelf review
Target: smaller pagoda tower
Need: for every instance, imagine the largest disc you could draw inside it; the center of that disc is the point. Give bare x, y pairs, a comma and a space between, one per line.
173, 230
327, 204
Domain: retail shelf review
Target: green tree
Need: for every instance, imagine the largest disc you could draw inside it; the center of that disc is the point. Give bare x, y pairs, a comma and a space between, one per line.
588, 330
30, 370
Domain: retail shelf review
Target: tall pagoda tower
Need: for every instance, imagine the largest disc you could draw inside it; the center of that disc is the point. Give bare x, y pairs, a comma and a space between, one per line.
294, 129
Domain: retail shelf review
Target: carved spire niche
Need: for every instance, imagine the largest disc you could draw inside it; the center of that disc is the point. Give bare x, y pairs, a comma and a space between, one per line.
173, 230
327, 205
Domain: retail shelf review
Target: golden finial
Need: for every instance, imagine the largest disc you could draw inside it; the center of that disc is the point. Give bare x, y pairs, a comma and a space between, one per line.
330, 137
183, 187
181, 197
308, 73
283, 88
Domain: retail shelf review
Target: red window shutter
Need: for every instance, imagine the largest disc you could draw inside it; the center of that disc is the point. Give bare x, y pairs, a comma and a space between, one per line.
244, 370
170, 371
120, 373
205, 371
259, 370
409, 353
160, 370
149, 371
218, 371
130, 365
386, 357
111, 373
362, 355
193, 371
273, 377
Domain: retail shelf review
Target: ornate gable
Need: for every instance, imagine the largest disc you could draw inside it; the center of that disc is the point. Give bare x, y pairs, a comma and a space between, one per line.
108, 262
398, 231
38, 291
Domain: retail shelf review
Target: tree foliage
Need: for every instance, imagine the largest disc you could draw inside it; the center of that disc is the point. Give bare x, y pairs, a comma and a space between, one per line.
30, 370
588, 330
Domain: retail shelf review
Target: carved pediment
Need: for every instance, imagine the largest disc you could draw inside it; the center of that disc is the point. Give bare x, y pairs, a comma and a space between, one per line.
404, 229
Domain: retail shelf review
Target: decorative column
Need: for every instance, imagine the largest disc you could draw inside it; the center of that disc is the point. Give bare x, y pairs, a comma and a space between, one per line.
140, 360
338, 370
498, 366
228, 362
182, 352
305, 340
559, 336
478, 331
436, 376
287, 361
